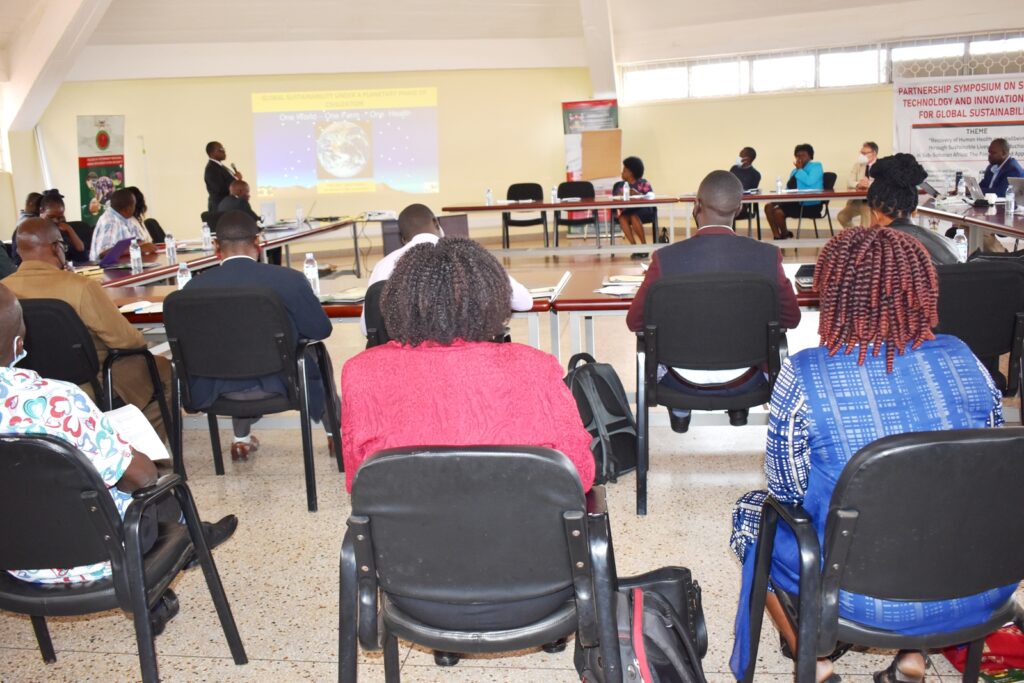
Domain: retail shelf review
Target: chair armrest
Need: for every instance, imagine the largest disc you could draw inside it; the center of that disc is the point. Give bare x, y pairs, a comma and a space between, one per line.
114, 354
793, 515
597, 501
162, 487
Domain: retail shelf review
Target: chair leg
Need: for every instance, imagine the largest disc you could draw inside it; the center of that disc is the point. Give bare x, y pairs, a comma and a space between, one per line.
392, 667
642, 417
972, 668
828, 215
555, 228
504, 232
348, 615
140, 604
815, 222
43, 638
333, 409
218, 458
177, 449
307, 435
544, 217
757, 215
759, 585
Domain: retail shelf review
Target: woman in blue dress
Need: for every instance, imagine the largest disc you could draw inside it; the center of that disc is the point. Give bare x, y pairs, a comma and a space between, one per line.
879, 370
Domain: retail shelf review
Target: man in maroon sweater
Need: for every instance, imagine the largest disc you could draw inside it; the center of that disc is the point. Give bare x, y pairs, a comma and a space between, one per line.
715, 248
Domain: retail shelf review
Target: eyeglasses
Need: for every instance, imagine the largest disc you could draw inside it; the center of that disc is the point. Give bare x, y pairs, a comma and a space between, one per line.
63, 246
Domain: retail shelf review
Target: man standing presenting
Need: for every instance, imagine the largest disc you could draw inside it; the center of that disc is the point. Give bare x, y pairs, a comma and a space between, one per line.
1001, 168
218, 175
860, 179
715, 248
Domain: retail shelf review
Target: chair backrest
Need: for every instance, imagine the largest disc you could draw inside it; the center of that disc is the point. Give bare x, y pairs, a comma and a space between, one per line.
56, 507
584, 189
469, 525
156, 232
84, 232
829, 181
58, 343
932, 515
234, 333
979, 302
211, 218
712, 321
376, 333
520, 191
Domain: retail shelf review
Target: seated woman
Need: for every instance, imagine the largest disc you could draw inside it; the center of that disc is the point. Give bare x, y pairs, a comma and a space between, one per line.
892, 199
632, 220
808, 175
895, 376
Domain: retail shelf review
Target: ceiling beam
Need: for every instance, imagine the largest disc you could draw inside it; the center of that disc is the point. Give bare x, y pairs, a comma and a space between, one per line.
600, 46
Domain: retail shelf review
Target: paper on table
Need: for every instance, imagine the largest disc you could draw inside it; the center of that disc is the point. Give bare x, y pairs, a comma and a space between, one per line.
618, 290
350, 295
133, 427
623, 280
135, 307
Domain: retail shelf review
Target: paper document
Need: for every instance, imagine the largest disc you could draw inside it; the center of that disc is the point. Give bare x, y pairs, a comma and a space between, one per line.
352, 295
133, 427
618, 290
623, 280
142, 307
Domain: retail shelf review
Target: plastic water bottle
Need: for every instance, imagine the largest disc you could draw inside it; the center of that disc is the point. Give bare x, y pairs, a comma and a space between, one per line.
489, 197
171, 249
312, 273
298, 218
625, 192
778, 184
1011, 200
961, 245
207, 239
184, 275
135, 255
554, 194
961, 186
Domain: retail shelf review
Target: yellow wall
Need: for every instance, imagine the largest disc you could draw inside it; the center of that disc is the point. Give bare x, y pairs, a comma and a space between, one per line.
495, 127
680, 142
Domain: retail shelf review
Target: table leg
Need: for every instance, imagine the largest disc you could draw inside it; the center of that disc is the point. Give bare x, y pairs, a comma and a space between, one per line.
575, 344
533, 329
355, 244
588, 323
287, 256
556, 336
672, 223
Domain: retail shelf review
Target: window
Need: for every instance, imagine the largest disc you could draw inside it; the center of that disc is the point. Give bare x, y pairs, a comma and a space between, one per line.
989, 47
783, 73
712, 80
916, 52
656, 83
851, 68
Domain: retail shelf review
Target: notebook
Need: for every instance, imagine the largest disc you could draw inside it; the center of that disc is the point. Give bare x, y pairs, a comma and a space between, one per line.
119, 249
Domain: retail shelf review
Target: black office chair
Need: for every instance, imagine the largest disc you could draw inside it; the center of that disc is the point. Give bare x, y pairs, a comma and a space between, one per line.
584, 191
211, 218
750, 212
982, 303
156, 232
84, 232
708, 321
60, 346
60, 514
240, 333
820, 210
653, 223
519, 192
955, 500
376, 334
437, 530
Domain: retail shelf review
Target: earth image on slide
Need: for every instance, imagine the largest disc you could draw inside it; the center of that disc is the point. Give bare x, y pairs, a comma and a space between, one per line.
343, 149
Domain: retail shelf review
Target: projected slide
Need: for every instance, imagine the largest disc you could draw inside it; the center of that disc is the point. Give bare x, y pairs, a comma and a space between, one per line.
345, 141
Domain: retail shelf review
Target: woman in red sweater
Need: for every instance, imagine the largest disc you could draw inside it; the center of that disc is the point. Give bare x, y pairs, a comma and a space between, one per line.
442, 381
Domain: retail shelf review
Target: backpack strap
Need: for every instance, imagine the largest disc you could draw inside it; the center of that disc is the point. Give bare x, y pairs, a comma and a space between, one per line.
575, 360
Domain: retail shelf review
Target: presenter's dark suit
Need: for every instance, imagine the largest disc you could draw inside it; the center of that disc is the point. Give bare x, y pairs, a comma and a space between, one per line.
998, 181
218, 180
304, 310
231, 203
716, 249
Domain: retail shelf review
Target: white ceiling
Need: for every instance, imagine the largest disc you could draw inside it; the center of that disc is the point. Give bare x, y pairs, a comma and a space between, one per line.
14, 16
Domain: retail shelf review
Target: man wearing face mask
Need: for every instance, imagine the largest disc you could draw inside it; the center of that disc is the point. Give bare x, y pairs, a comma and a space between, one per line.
43, 275
1001, 168
860, 179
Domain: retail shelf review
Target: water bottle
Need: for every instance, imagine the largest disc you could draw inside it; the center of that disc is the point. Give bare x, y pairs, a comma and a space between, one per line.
554, 194
135, 254
1011, 200
778, 184
184, 275
625, 192
298, 218
207, 239
309, 269
961, 185
961, 245
171, 248
489, 197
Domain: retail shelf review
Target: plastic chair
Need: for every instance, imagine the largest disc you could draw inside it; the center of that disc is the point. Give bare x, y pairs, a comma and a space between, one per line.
707, 321
820, 210
519, 192
915, 517
60, 514
583, 190
434, 530
241, 333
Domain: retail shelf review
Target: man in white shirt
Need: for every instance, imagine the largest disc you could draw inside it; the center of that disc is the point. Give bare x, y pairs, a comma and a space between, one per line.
418, 225
118, 223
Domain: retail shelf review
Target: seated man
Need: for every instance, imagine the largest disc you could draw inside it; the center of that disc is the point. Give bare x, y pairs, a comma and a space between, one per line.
861, 176
1001, 168
715, 248
118, 223
238, 200
122, 468
239, 244
418, 225
42, 275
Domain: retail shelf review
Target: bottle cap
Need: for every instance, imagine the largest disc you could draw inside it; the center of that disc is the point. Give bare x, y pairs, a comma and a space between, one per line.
309, 254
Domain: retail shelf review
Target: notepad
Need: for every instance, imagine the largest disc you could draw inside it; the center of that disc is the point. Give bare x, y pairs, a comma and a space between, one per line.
623, 280
617, 290
132, 426
352, 295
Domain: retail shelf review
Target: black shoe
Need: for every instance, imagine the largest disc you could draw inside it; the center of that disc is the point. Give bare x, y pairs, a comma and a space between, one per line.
163, 611
738, 418
679, 423
638, 256
216, 533
446, 658
552, 648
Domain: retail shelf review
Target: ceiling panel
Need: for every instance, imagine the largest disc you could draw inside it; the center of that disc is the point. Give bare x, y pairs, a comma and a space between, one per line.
14, 14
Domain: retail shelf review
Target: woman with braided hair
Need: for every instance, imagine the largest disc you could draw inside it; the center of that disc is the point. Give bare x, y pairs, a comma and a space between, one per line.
880, 370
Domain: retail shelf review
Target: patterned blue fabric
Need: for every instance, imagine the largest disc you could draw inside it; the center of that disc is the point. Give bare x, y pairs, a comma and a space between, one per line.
823, 410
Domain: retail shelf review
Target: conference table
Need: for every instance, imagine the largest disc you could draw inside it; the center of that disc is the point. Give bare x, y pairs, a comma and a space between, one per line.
977, 220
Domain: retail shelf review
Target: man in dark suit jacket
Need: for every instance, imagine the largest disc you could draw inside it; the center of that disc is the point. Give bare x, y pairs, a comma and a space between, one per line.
218, 176
238, 241
716, 248
238, 200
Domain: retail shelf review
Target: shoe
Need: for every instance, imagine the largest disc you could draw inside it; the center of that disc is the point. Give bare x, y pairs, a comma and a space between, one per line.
738, 418
638, 256
789, 234
163, 611
240, 450
216, 533
679, 423
446, 658
894, 675
555, 647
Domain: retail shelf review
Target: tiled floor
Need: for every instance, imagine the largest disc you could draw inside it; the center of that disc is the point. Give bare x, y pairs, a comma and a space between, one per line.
280, 569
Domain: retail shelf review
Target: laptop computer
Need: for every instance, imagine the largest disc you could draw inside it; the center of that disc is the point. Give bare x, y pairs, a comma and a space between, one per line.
111, 258
1018, 189
974, 191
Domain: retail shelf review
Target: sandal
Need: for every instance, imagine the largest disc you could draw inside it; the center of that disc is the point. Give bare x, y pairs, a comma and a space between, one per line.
894, 675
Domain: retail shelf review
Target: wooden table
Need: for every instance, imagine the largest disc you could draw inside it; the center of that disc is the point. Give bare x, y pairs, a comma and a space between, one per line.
978, 221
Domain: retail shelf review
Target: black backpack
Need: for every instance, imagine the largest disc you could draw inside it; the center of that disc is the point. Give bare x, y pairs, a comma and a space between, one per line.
605, 412
662, 636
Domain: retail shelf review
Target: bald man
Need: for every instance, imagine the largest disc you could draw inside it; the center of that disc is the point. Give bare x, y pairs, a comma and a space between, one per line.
715, 248
237, 200
43, 275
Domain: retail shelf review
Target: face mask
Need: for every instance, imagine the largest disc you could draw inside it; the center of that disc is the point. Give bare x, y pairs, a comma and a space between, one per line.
739, 161
862, 159
18, 357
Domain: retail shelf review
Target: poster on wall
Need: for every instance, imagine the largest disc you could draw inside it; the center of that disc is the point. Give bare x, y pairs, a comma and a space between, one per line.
100, 162
589, 115
949, 122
